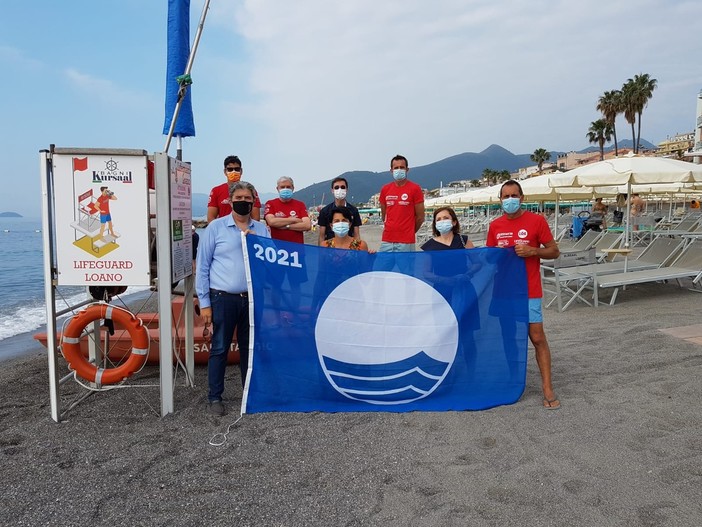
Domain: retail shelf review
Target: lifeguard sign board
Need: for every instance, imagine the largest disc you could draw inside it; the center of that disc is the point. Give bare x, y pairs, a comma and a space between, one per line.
101, 217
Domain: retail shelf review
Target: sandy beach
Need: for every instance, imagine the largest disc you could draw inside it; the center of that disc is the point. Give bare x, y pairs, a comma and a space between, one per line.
625, 449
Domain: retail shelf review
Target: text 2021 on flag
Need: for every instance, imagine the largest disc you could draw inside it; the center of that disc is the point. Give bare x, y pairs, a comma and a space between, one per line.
338, 330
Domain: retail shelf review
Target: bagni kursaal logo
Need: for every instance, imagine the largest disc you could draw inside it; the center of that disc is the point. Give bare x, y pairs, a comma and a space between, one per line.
402, 354
112, 173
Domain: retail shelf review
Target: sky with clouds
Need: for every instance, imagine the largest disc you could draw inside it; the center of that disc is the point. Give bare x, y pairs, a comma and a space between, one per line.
313, 88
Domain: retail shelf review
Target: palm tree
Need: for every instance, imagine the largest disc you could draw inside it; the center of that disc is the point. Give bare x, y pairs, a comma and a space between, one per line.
645, 86
610, 104
628, 105
504, 175
490, 176
540, 156
600, 132
475, 183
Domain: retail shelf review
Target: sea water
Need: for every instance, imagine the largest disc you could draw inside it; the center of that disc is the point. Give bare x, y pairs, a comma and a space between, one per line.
22, 305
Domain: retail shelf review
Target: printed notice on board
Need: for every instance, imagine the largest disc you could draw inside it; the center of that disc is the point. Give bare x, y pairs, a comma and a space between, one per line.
181, 220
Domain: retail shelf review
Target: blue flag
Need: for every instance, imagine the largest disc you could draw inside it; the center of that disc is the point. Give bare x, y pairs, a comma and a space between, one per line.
346, 331
178, 54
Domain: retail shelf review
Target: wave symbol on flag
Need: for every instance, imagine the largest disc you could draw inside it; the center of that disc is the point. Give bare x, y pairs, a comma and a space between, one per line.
395, 382
386, 338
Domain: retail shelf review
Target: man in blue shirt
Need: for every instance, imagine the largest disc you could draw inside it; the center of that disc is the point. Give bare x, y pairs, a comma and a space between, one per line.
222, 289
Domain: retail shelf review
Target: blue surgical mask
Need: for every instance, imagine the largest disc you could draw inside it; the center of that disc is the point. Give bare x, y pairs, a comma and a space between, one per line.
285, 193
399, 174
444, 226
341, 228
511, 205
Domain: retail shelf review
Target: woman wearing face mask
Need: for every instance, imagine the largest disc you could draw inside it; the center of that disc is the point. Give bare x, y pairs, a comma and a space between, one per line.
341, 224
447, 235
446, 230
451, 276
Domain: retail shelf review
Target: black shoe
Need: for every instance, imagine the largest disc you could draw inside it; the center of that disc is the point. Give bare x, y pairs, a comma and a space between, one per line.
216, 408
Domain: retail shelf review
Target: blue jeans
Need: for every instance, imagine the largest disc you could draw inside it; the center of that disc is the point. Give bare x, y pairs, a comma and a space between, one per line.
387, 258
391, 247
229, 311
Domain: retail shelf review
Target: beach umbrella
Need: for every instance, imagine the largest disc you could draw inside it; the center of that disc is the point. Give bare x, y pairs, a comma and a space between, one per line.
629, 170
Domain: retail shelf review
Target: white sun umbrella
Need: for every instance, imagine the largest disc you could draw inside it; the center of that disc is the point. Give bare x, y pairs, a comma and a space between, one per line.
630, 170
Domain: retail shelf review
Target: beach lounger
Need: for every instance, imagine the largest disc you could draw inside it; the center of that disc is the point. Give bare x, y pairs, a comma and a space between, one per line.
643, 229
585, 242
657, 254
607, 240
687, 265
566, 278
689, 224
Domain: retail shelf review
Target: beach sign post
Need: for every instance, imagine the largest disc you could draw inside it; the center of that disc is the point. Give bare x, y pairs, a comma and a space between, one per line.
98, 231
87, 194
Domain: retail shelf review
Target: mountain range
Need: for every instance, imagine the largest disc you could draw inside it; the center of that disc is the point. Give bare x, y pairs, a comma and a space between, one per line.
469, 165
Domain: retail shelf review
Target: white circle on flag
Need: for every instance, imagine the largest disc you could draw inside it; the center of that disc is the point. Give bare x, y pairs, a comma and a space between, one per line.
386, 338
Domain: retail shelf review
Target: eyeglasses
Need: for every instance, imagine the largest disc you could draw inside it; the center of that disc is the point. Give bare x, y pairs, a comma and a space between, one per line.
206, 331
339, 187
233, 169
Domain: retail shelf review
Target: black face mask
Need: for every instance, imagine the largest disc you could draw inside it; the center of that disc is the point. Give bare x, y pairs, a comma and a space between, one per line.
242, 208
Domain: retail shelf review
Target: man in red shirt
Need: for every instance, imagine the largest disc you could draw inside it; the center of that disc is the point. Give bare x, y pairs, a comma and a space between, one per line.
288, 220
532, 240
218, 205
401, 209
103, 202
287, 217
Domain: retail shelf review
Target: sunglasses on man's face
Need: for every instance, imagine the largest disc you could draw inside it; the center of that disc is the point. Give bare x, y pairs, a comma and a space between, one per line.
339, 187
233, 169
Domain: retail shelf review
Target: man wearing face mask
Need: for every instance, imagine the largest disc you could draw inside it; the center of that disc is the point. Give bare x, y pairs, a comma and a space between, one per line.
340, 188
288, 221
401, 209
218, 204
532, 240
222, 288
287, 217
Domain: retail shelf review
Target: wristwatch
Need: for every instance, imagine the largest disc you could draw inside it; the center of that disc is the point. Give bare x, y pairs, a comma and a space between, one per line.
287, 226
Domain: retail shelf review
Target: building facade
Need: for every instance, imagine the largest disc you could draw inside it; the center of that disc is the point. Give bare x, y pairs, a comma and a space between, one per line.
677, 145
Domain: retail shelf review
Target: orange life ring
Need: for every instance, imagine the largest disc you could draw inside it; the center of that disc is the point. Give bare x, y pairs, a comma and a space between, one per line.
70, 344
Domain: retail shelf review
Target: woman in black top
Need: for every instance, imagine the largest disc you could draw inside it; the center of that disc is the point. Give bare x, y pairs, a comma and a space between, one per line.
451, 277
447, 232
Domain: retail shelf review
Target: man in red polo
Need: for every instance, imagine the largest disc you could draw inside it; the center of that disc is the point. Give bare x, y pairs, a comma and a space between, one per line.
287, 217
401, 209
532, 240
218, 205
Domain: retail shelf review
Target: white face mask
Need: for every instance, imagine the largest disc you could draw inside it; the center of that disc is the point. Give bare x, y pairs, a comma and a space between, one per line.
341, 228
399, 174
444, 226
340, 193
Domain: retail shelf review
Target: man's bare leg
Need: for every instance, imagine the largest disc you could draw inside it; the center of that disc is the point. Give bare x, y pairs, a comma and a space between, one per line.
543, 359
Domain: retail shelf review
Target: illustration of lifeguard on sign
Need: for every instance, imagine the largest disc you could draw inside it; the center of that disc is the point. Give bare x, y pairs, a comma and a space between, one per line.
93, 219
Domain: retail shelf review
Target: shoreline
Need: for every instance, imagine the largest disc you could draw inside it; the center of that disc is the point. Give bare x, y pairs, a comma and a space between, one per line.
24, 344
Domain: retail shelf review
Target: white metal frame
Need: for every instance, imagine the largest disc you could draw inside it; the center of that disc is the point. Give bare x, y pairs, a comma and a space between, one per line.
163, 234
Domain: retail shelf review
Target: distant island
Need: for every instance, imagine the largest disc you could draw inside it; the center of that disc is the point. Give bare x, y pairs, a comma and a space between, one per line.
10, 215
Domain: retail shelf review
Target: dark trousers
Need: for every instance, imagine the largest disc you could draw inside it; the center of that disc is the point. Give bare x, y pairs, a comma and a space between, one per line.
229, 311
